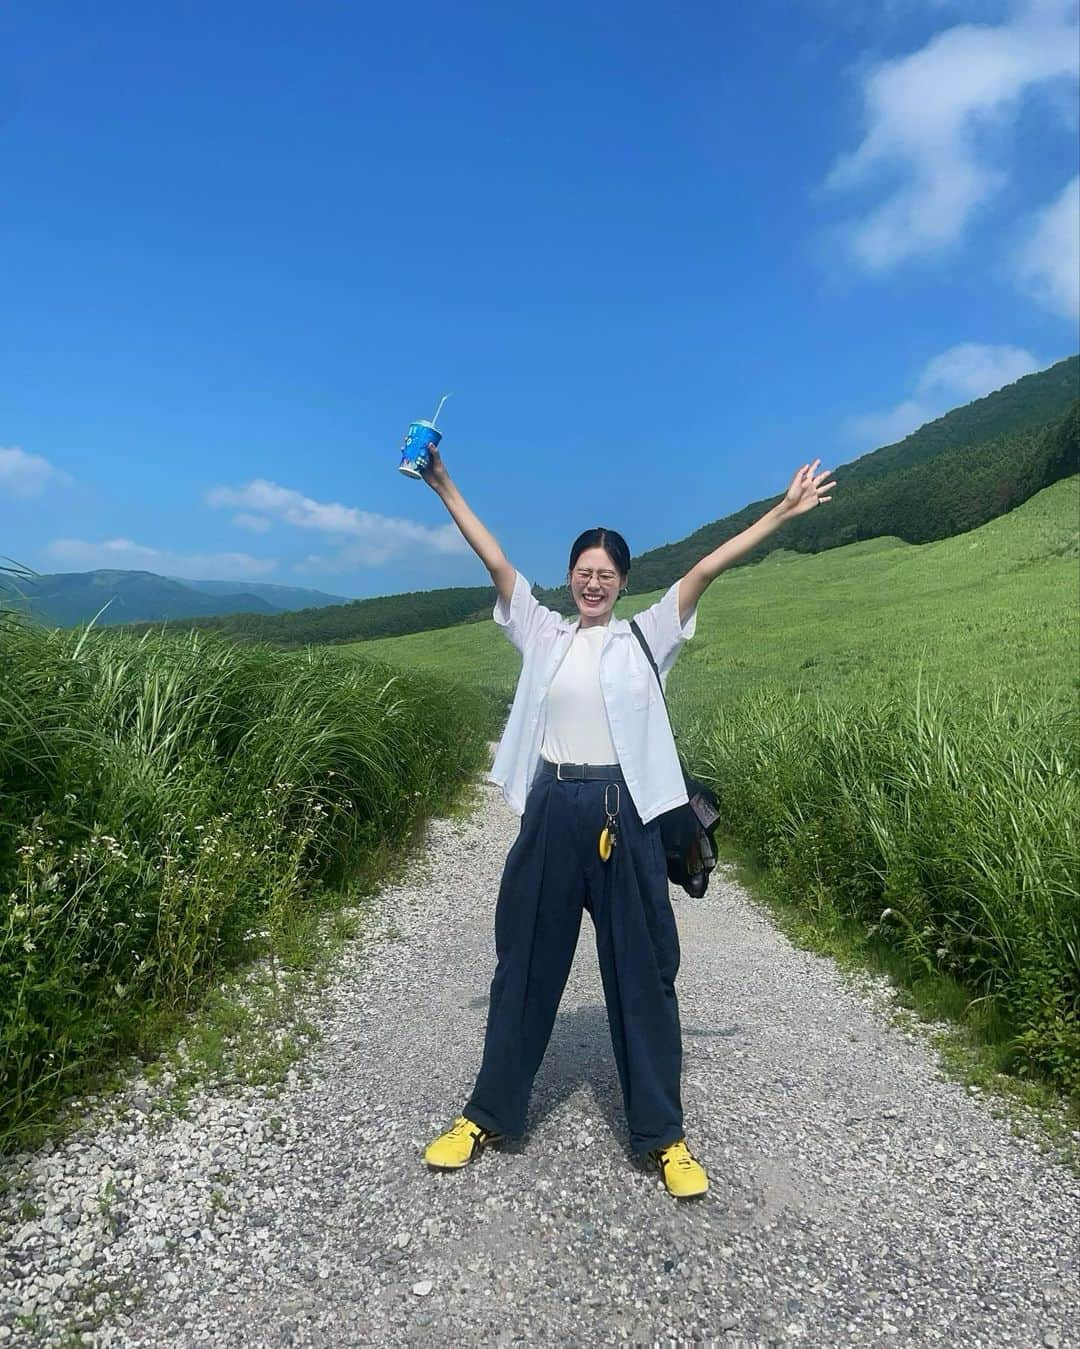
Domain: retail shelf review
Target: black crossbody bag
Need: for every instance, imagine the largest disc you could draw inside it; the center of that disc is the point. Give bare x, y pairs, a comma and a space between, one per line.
688, 830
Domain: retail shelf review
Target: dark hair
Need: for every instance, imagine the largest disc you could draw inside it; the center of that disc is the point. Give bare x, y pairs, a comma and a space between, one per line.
612, 543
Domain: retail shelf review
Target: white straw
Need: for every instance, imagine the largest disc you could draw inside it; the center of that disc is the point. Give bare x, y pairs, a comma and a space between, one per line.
442, 400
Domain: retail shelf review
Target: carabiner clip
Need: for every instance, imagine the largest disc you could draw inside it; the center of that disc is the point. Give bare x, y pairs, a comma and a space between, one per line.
609, 835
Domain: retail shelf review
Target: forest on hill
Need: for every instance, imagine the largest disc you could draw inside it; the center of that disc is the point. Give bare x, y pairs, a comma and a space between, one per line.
357, 621
918, 497
952, 475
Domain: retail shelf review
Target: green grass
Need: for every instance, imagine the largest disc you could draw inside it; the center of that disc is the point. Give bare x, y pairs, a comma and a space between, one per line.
473, 654
172, 808
945, 829
893, 733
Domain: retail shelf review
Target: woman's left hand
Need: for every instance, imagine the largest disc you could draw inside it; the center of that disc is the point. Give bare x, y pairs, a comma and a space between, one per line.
806, 489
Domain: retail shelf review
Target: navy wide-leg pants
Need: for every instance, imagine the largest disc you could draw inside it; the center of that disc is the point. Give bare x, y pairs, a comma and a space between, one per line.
552, 873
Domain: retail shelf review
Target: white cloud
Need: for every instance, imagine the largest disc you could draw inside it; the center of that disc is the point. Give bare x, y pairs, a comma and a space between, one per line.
125, 555
366, 539
877, 15
26, 475
258, 524
873, 429
1048, 262
972, 370
930, 117
960, 375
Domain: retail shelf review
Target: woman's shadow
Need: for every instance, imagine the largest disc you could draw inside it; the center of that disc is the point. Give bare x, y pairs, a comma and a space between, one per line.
579, 1054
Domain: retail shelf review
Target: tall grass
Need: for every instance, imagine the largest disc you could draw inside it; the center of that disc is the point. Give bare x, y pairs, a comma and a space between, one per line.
946, 826
168, 806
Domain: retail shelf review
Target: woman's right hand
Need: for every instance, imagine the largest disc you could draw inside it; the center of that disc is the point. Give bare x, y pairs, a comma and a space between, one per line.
435, 475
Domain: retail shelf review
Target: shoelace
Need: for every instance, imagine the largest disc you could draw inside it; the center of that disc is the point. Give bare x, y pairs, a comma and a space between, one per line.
678, 1155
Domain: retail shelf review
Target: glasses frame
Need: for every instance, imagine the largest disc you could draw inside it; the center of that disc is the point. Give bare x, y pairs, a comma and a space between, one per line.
605, 577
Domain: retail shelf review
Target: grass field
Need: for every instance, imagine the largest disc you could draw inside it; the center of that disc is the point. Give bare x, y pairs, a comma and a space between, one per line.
1001, 604
893, 734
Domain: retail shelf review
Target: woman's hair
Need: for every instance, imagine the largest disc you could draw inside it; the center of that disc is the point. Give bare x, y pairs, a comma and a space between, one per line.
612, 543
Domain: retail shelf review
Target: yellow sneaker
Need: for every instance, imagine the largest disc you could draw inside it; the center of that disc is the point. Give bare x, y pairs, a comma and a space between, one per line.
683, 1175
458, 1145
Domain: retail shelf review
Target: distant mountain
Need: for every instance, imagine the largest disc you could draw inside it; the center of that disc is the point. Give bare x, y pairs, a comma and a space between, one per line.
383, 616
283, 599
67, 598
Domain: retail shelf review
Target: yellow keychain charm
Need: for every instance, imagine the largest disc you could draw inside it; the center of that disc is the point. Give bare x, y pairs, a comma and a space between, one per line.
609, 835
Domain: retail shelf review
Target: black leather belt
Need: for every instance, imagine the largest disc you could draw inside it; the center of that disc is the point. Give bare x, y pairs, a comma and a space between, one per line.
583, 772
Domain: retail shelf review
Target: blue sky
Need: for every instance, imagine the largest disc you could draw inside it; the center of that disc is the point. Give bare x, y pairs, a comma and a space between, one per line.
660, 255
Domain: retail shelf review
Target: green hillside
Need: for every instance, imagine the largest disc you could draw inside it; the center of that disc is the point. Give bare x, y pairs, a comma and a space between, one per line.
1033, 401
999, 603
382, 616
956, 473
280, 597
952, 475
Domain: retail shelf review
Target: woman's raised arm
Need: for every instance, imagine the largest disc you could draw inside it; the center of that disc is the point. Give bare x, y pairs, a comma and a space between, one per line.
476, 534
802, 495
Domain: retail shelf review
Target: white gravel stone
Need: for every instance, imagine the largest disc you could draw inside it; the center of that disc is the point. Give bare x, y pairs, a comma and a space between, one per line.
857, 1198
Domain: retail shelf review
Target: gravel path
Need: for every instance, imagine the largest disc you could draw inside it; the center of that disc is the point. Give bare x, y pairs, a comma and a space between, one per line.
856, 1199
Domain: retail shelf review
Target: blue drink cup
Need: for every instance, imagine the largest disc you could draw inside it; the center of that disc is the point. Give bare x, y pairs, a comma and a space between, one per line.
414, 448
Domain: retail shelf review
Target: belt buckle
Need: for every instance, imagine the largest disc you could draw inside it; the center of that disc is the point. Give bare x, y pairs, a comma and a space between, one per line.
559, 777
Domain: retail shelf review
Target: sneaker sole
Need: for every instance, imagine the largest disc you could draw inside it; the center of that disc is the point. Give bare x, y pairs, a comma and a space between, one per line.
456, 1166
690, 1194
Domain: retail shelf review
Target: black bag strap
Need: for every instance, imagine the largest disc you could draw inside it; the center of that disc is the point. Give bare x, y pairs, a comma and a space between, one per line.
698, 792
648, 656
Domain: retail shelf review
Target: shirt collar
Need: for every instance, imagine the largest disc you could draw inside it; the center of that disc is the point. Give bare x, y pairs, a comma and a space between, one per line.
615, 625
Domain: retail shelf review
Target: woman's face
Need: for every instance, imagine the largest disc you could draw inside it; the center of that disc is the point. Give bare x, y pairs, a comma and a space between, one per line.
594, 583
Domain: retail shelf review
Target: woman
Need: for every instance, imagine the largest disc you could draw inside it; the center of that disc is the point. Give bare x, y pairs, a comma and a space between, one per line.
588, 759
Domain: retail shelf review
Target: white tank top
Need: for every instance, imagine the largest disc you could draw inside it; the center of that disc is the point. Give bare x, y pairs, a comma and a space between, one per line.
576, 730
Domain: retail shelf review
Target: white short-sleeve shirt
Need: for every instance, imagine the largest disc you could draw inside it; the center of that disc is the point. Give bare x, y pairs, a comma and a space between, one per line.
636, 714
